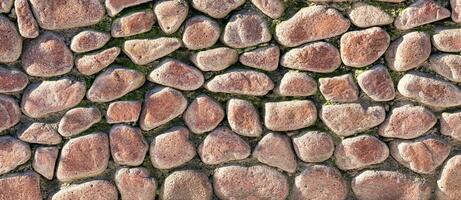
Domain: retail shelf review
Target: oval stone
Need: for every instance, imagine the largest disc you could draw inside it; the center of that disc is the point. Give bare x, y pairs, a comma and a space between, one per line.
176, 74
27, 24
409, 51
243, 118
449, 180
88, 41
216, 59
127, 145
97, 189
12, 80
171, 14
246, 29
364, 15
116, 6
203, 115
446, 65
339, 88
419, 13
93, 63
320, 57
200, 32
77, 120
450, 125
186, 184
10, 113
133, 24
244, 82
289, 115
295, 83
21, 186
377, 83
11, 41
135, 183
144, 51
447, 40
360, 152
13, 153
265, 58
313, 146
217, 9
272, 8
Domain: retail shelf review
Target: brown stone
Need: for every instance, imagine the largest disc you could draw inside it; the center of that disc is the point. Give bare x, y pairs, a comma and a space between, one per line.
275, 150
171, 14
244, 82
45, 161
409, 51
144, 51
127, 145
115, 6
272, 8
5, 6
289, 115
246, 29
123, 112
450, 125
11, 41
200, 32
133, 24
243, 118
447, 40
97, 190
339, 88
27, 25
419, 13
364, 15
135, 183
360, 152
203, 115
265, 58
40, 133
216, 9
313, 146
186, 184
446, 65
176, 74
93, 63
20, 186
450, 179
12, 80
377, 83
10, 113
216, 59
294, 83
407, 122
456, 10
88, 40
78, 120
320, 57
13, 153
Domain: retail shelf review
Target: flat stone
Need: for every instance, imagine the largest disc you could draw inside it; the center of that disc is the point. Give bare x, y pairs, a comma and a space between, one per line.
265, 58
222, 145
203, 114
244, 82
246, 29
320, 57
256, 182
448, 183
161, 105
407, 122
115, 6
45, 161
123, 112
446, 65
11, 41
114, 83
409, 51
321, 183
447, 40
93, 63
392, 1
88, 40
27, 25
78, 120
21, 186
360, 152
216, 9
349, 119
144, 51
364, 15
97, 189
171, 14
186, 184
57, 14
272, 8
216, 59
419, 13
83, 157
289, 115
450, 125
171, 149
377, 83
275, 150
313, 146
294, 83
46, 97
310, 24
40, 133
176, 74
47, 56
127, 145
13, 153
243, 118
133, 24
200, 32
339, 88
135, 183
10, 113
455, 10
12, 80
5, 6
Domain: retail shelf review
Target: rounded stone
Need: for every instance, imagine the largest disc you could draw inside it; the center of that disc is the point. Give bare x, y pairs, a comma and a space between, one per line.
171, 14
320, 57
339, 88
409, 51
127, 145
272, 8
176, 74
243, 118
449, 180
21, 186
27, 25
93, 63
360, 152
88, 40
116, 6
135, 183
144, 51
275, 150
40, 133
78, 120
246, 29
294, 83
203, 115
216, 59
419, 13
313, 146
200, 32
45, 160
447, 40
12, 80
377, 83
446, 65
13, 153
96, 189
186, 184
244, 82
123, 112
133, 24
364, 15
455, 10
216, 9
5, 6
10, 113
11, 41
450, 125
265, 58
289, 115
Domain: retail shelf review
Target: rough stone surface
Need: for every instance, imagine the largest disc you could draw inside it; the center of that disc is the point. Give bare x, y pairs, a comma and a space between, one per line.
450, 124
115, 6
78, 120
27, 25
40, 133
176, 74
144, 51
171, 14
450, 178
97, 189
133, 24
5, 6
13, 153
93, 63
200, 32
275, 150
243, 118
246, 29
447, 40
313, 146
12, 80
245, 82
11, 47
289, 115
266, 58
407, 122
215, 59
359, 152
377, 83
339, 88
446, 65
272, 8
88, 41
419, 13
320, 57
409, 51
135, 183
203, 115
10, 112
295, 83
364, 15
45, 161
186, 184
456, 10
123, 112
216, 9
21, 186
127, 145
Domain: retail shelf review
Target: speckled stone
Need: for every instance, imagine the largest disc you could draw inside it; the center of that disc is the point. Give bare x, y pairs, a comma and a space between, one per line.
450, 124
360, 152
96, 189
419, 13
339, 88
78, 120
186, 184
123, 112
407, 122
45, 160
171, 14
176, 74
135, 183
272, 8
320, 57
289, 115
216, 9
294, 83
449, 180
12, 80
27, 24
144, 51
88, 40
245, 29
203, 114
216, 59
365, 15
10, 112
13, 153
21, 186
276, 150
127, 145
377, 83
243, 118
409, 51
116, 6
455, 10
447, 40
200, 32
245, 82
40, 133
313, 146
91, 64
11, 41
265, 58
446, 65
133, 24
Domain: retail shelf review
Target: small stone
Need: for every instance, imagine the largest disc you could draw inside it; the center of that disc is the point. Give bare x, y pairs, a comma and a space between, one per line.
115, 6
45, 160
200, 32
171, 14
419, 13
21, 186
133, 24
256, 182
127, 145
27, 25
449, 181
409, 51
40, 133
144, 51
450, 125
246, 29
78, 120
407, 122
364, 15
392, 1
12, 80
275, 150
320, 57
272, 8
97, 189
294, 83
10, 113
289, 115
11, 41
243, 118
349, 119
93, 63
135, 183
83, 157
46, 97
172, 149
88, 41
321, 183
360, 152
123, 112
310, 24
222, 145
161, 105
447, 40
216, 9
265, 58
186, 184
13, 153
313, 146
215, 59
377, 83
244, 82
176, 74
339, 88
446, 65
47, 56
5, 6
456, 10
203, 115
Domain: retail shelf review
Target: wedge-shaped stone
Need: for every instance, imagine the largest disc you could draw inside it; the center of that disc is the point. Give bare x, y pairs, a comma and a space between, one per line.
13, 153
77, 120
409, 51
172, 149
88, 40
216, 9
97, 189
289, 115
176, 74
320, 57
27, 25
446, 65
265, 58
215, 59
200, 32
135, 183
419, 13
203, 114
246, 29
10, 113
45, 161
364, 15
245, 82
377, 83
123, 111
40, 133
144, 51
456, 10
243, 118
93, 63
11, 41
21, 186
339, 88
186, 184
360, 152
313, 146
275, 150
171, 14
295, 83
449, 181
407, 122
450, 125
133, 24
127, 145
447, 40
12, 80
272, 8
115, 6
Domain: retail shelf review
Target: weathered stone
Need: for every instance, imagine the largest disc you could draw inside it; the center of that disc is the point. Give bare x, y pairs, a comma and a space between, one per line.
5, 6
127, 145
115, 6
275, 150
40, 133
450, 125
144, 51
200, 32
77, 120
93, 63
123, 111
27, 25
88, 41
12, 80
364, 15
449, 181
265, 58
45, 161
310, 24
82, 157
447, 40
133, 24
97, 189
176, 74
294, 83
246, 29
377, 83
243, 118
359, 152
186, 184
313, 146
339, 88
244, 82
13, 153
135, 183
320, 57
171, 14
215, 59
203, 115
407, 122
419, 13
217, 9
11, 41
409, 51
171, 149
222, 145
392, 1
289, 115
10, 113
446, 65
272, 8
456, 10
21, 186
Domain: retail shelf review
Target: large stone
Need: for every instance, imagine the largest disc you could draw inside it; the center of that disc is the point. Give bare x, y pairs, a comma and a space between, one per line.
127, 145
200, 32
456, 10
407, 122
176, 74
320, 57
419, 13
88, 40
275, 150
78, 120
40, 133
360, 152
123, 112
144, 51
289, 115
115, 6
135, 183
203, 115
272, 8
243, 118
244, 82
217, 9
339, 88
186, 184
93, 63
10, 113
5, 6
215, 59
45, 160
13, 153
133, 24
450, 179
294, 83
27, 25
246, 29
446, 65
265, 58
21, 186
171, 14
97, 190
409, 51
11, 41
313, 146
447, 40
364, 15
450, 125
377, 83
12, 80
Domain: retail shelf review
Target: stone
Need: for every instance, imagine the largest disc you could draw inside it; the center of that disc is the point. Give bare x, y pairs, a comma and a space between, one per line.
40, 133
294, 83
58, 15
392, 185
10, 113
88, 40
360, 152
78, 120
456, 10
243, 82
272, 8
450, 125
27, 25
115, 6
144, 51
114, 83
377, 83
243, 118
339, 88
319, 182
133, 24
351, 118
419, 13
311, 24
83, 157
446, 65
422, 155
407, 122
127, 145
255, 182
429, 91
289, 115
449, 180
47, 97
5, 6
171, 14
96, 189
246, 29
11, 41
320, 57
186, 184
447, 40
221, 146
200, 32
363, 47
45, 160
171, 149
409, 51
216, 9
161, 105
123, 112
176, 74
93, 63
275, 150
265, 58
135, 183
392, 1
216, 59
47, 56
21, 186
313, 146
13, 153
12, 80
364, 15
203, 114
